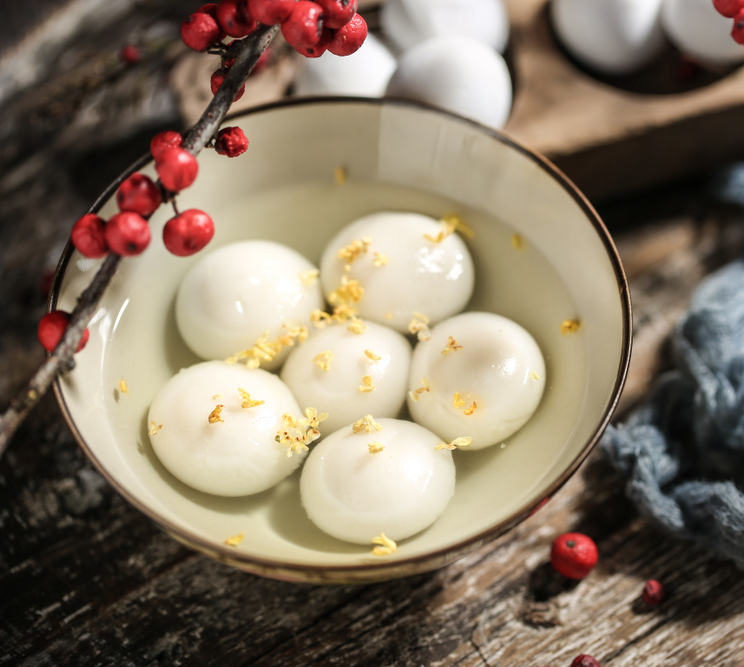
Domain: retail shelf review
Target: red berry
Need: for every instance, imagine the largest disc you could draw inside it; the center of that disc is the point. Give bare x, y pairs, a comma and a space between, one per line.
177, 169
303, 27
348, 39
167, 139
728, 8
270, 12
130, 54
139, 194
737, 32
573, 555
188, 232
218, 76
89, 236
321, 47
234, 18
231, 142
200, 31
53, 326
127, 233
210, 8
337, 13
653, 592
585, 661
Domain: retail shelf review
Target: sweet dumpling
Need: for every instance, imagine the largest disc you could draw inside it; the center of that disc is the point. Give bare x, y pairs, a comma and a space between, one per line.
480, 375
377, 476
246, 293
349, 371
394, 267
215, 426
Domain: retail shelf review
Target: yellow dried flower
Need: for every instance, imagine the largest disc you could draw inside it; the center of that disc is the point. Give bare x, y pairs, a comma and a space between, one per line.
340, 174
380, 260
372, 355
457, 401
451, 346
234, 541
349, 292
357, 247
247, 401
375, 447
309, 277
450, 224
154, 428
570, 326
389, 316
386, 545
357, 325
217, 397
366, 424
323, 360
366, 385
471, 409
419, 326
517, 242
123, 386
457, 442
320, 319
534, 375
215, 415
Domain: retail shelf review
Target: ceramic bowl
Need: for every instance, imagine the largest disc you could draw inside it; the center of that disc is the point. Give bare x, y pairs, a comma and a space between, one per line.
542, 257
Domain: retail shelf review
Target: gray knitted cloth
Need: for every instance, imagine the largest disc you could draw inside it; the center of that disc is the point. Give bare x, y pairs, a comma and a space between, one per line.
683, 452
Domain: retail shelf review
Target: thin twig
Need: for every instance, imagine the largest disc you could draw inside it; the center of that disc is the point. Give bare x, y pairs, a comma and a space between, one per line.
246, 52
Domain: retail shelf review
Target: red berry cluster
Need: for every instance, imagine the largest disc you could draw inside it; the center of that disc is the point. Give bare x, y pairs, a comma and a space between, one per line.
733, 9
310, 26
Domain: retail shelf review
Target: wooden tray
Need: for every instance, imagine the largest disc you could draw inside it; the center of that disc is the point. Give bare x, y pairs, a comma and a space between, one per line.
609, 140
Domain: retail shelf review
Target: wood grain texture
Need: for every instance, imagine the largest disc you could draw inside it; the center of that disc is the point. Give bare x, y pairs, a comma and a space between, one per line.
87, 580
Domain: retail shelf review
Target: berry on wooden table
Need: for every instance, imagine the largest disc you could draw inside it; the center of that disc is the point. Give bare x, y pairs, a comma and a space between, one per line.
653, 592
337, 13
127, 234
53, 326
200, 31
218, 76
728, 8
231, 141
585, 661
270, 12
89, 236
130, 54
304, 26
349, 38
177, 169
188, 232
139, 194
163, 140
573, 555
235, 18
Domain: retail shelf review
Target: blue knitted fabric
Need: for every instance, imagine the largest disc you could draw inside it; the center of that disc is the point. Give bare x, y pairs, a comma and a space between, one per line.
683, 451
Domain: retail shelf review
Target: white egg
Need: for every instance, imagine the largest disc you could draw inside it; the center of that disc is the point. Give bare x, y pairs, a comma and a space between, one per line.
365, 72
485, 389
235, 454
610, 36
409, 22
698, 30
419, 275
238, 293
327, 372
459, 74
354, 495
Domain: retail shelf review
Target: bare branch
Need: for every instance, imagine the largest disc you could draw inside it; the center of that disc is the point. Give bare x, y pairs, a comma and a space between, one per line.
246, 53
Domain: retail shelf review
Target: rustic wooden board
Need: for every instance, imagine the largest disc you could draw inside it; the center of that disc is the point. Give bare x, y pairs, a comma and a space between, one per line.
87, 580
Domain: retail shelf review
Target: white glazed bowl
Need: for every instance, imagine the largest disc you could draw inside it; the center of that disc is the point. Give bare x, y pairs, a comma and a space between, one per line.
397, 155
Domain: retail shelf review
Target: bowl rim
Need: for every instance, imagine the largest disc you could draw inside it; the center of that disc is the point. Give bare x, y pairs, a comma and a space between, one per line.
372, 571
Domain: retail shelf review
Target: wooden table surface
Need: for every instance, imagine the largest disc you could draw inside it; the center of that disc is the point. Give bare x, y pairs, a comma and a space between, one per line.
87, 580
